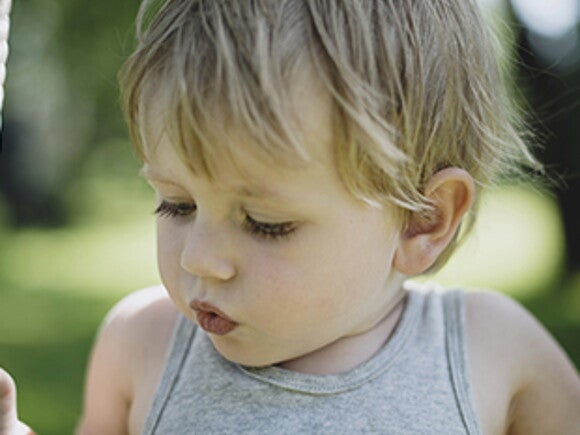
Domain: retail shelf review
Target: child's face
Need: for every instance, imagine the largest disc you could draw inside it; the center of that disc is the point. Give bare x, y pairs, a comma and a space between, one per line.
288, 254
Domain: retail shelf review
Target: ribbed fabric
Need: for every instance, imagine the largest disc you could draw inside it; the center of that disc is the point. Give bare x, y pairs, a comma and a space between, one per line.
416, 384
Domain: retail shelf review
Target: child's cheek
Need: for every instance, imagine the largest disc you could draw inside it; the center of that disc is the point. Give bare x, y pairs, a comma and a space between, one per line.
169, 248
286, 282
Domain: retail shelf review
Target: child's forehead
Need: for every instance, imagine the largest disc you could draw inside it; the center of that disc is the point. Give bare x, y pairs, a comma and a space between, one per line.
308, 114
252, 186
241, 170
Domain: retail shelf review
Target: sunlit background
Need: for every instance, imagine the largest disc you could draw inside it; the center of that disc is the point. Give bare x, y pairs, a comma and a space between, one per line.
76, 223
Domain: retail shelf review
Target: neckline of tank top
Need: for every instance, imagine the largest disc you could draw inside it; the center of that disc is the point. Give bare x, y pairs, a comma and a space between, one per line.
360, 375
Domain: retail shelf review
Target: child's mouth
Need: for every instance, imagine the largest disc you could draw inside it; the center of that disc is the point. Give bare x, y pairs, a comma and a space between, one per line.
211, 319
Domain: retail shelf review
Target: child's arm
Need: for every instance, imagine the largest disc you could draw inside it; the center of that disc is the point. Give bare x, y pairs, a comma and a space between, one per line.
543, 385
107, 393
126, 363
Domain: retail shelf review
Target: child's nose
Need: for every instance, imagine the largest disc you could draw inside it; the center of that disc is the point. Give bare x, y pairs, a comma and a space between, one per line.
204, 253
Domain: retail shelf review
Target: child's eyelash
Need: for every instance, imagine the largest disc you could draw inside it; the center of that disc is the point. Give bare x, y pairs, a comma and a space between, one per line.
174, 209
271, 231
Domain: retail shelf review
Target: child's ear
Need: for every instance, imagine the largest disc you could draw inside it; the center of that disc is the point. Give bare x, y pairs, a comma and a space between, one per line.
452, 193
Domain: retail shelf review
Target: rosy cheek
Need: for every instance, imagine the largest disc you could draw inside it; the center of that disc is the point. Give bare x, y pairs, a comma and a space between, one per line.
281, 282
168, 253
267, 275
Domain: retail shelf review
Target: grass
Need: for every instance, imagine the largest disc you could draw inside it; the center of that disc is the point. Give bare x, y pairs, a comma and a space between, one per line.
46, 340
56, 285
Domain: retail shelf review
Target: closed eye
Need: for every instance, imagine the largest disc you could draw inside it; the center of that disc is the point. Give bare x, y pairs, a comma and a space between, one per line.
264, 230
175, 209
271, 231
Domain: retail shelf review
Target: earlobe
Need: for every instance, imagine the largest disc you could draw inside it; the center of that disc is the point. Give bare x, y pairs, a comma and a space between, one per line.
452, 193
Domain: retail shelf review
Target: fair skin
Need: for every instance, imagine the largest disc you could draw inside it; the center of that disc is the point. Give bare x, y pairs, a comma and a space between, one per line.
322, 298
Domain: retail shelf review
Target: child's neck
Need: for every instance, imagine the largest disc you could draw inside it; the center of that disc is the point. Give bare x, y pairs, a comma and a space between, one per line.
349, 352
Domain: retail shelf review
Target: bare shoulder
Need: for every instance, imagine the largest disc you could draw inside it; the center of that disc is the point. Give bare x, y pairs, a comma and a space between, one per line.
140, 312
129, 348
521, 376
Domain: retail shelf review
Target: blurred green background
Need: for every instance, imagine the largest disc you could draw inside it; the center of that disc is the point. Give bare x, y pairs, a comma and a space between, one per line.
76, 222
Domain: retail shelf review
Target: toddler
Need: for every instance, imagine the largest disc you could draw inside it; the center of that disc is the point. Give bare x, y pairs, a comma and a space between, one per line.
308, 157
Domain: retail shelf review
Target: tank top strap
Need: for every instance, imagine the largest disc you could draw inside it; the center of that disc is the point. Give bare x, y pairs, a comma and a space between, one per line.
456, 347
181, 342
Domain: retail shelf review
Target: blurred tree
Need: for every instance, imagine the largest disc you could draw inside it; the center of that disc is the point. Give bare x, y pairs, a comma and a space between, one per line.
61, 99
93, 39
548, 68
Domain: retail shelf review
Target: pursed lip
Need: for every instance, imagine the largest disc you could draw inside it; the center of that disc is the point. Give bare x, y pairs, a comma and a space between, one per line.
211, 319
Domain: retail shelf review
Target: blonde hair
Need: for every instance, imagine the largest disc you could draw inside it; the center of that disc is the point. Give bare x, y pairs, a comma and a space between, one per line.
415, 88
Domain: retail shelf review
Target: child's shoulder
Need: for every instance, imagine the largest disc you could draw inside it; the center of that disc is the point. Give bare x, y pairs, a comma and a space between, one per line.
511, 356
139, 322
127, 360
141, 309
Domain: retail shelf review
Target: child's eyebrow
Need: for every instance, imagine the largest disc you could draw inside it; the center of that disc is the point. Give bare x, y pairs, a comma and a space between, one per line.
253, 191
258, 192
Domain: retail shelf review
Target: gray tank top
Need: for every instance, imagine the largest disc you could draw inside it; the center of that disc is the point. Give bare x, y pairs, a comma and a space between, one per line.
416, 384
